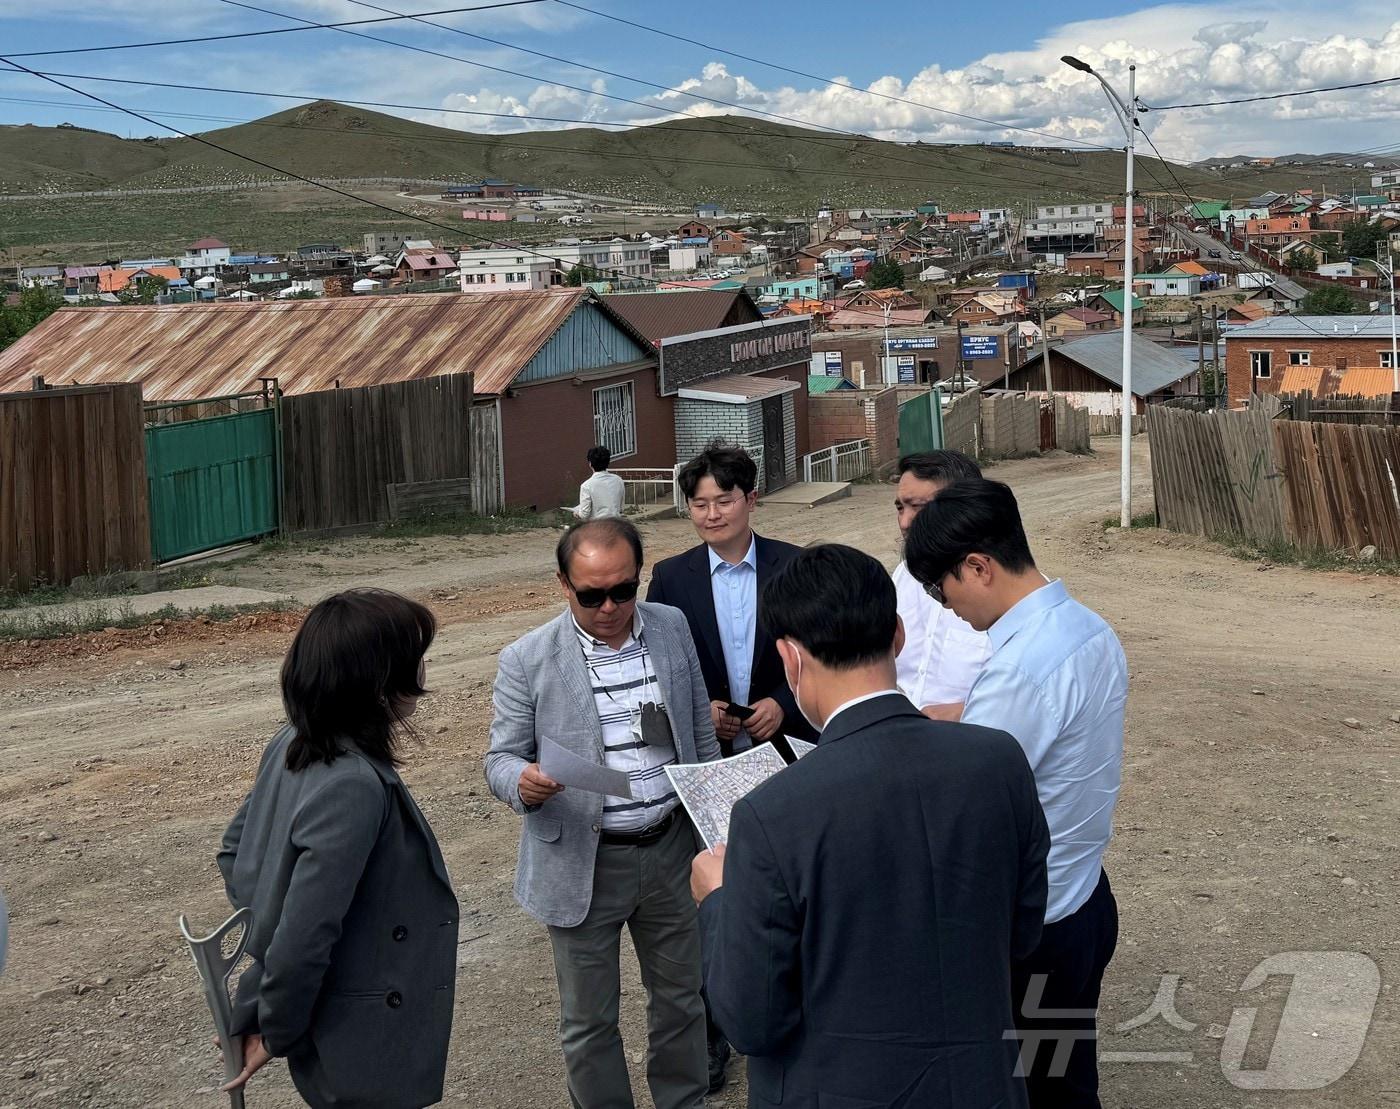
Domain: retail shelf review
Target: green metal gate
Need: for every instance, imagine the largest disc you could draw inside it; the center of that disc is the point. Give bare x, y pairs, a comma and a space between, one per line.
212, 481
921, 423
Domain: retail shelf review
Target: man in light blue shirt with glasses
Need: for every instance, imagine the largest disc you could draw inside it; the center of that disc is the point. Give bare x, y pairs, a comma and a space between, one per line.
1057, 680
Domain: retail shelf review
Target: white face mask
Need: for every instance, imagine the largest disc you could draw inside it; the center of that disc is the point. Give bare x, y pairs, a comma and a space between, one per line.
797, 694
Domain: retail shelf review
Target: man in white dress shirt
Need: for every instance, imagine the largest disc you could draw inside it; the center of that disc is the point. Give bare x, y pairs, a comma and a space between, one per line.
942, 654
1057, 680
601, 495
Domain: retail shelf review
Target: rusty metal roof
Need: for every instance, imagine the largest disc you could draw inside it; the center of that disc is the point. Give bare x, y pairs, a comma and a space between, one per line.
1366, 381
661, 315
187, 351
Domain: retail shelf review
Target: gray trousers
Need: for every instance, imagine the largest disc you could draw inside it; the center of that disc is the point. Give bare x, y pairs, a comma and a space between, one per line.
648, 889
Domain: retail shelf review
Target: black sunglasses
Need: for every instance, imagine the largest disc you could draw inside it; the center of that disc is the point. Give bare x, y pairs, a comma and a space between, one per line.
618, 594
935, 588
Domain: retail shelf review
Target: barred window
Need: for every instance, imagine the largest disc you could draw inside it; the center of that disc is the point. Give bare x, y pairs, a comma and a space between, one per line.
615, 419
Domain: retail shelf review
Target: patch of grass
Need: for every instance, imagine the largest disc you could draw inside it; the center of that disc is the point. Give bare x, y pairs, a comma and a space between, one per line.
96, 618
1288, 554
1141, 520
510, 520
89, 588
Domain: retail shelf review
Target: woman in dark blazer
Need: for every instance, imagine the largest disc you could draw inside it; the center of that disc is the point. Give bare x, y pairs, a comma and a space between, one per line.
354, 931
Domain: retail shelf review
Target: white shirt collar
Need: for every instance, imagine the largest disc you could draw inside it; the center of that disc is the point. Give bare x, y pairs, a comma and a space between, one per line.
588, 641
751, 557
854, 701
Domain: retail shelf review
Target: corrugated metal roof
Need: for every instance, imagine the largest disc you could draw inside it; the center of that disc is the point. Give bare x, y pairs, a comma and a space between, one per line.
1367, 381
1315, 327
823, 383
1101, 352
658, 316
186, 351
737, 388
1298, 379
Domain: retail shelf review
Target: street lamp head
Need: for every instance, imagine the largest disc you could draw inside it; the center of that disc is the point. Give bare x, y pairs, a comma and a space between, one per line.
1075, 63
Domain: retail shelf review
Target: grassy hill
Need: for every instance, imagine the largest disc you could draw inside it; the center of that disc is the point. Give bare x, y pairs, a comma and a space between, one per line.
737, 161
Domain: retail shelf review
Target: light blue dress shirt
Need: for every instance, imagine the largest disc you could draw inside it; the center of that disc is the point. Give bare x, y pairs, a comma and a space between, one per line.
1057, 680
734, 587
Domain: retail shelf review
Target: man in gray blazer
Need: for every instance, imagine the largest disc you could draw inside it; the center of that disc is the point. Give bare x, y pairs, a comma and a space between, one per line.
617, 683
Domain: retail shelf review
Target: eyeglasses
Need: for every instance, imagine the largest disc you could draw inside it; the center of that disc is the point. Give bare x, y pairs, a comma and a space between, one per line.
618, 594
935, 588
724, 504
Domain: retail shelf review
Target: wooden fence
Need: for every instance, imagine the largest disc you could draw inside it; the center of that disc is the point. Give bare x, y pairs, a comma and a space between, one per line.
1383, 410
1319, 486
73, 497
355, 457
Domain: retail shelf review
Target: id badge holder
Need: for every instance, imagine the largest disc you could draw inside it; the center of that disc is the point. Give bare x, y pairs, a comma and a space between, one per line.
654, 726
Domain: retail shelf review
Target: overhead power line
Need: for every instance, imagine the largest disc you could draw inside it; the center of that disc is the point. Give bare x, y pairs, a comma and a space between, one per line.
824, 80
1247, 262
1257, 99
311, 26
823, 143
456, 231
507, 142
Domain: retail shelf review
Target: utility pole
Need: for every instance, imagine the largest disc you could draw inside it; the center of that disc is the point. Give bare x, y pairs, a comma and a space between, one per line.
1217, 377
1200, 351
1127, 116
1045, 351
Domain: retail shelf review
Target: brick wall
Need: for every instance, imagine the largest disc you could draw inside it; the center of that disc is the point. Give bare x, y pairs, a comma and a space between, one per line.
1334, 354
882, 426
836, 417
699, 421
545, 470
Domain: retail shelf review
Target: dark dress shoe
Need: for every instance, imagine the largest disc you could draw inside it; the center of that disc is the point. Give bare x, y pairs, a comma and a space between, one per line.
719, 1059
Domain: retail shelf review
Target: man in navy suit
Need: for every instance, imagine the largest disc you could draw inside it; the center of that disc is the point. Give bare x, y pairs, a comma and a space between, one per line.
860, 933
717, 585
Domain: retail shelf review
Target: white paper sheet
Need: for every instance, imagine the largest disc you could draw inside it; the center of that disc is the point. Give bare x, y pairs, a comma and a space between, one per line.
800, 747
569, 769
709, 789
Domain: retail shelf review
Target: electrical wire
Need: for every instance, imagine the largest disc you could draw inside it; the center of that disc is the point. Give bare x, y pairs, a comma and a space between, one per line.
825, 144
1258, 99
456, 231
815, 77
312, 26
1248, 262
507, 143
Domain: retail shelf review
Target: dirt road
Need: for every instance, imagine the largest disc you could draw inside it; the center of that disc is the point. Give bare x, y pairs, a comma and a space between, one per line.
1253, 820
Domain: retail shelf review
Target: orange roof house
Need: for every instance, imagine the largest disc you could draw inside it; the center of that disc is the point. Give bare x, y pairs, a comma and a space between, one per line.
1366, 381
1193, 268
117, 278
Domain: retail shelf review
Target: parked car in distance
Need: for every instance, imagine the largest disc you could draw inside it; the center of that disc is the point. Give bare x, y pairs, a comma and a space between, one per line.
1235, 254
856, 284
1199, 229
1212, 254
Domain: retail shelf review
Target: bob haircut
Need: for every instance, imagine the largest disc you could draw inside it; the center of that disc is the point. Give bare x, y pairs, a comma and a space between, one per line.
355, 659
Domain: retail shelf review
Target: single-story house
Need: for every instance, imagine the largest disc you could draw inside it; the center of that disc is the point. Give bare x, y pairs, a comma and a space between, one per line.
1168, 284
1075, 321
1094, 365
851, 319
1110, 303
113, 279
431, 266
263, 273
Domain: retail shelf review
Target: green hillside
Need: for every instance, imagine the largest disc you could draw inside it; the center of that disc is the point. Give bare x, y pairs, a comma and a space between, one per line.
734, 160
740, 162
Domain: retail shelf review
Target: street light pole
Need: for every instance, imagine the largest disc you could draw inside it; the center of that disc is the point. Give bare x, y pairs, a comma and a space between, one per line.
1127, 116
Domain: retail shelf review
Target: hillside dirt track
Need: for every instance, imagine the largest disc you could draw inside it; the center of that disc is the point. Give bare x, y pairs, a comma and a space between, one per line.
1250, 823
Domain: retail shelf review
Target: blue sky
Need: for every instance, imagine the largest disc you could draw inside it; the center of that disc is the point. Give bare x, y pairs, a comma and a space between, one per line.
996, 61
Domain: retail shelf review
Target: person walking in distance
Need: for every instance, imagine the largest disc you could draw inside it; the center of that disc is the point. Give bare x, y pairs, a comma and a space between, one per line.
603, 494
1057, 680
616, 683
942, 654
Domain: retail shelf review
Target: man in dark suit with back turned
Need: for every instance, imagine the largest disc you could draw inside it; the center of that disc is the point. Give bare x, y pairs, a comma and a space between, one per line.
859, 935
717, 585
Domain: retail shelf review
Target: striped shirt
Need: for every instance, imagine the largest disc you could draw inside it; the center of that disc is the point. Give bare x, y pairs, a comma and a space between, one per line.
623, 680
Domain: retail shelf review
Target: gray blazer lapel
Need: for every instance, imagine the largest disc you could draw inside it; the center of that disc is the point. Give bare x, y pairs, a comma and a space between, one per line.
568, 657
